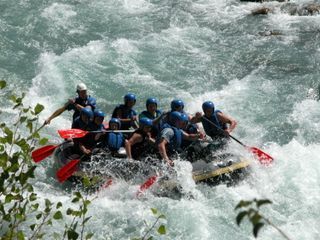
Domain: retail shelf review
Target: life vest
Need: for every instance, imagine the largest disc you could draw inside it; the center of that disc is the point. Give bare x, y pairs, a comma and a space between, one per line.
89, 101
149, 115
125, 113
114, 141
175, 142
210, 129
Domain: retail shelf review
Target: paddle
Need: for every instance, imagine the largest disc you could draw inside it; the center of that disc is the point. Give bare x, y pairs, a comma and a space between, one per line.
78, 133
147, 184
263, 157
67, 170
43, 152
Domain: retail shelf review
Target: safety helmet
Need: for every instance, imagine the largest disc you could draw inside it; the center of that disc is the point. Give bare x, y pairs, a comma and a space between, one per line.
81, 87
99, 113
87, 112
115, 120
175, 117
151, 101
207, 105
129, 97
145, 122
176, 104
184, 117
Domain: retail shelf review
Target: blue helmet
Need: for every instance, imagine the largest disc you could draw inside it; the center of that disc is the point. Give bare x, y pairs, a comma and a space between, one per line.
176, 104
151, 101
184, 117
143, 122
99, 113
174, 117
129, 97
87, 112
207, 105
115, 120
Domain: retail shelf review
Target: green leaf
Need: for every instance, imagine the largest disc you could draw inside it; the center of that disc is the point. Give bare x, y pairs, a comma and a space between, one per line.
86, 182
86, 220
32, 227
150, 238
38, 216
242, 204
57, 215
33, 197
59, 205
23, 119
35, 206
154, 211
30, 126
240, 217
262, 202
255, 219
69, 211
78, 194
162, 230
47, 203
162, 216
43, 141
256, 229
76, 199
38, 109
9, 198
20, 235
73, 235
3, 84
89, 236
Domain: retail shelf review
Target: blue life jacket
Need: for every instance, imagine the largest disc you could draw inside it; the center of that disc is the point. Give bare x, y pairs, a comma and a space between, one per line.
125, 113
212, 130
114, 141
89, 101
175, 143
149, 115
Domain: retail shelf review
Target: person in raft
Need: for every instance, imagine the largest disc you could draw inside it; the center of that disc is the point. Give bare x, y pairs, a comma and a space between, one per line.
141, 142
75, 104
125, 112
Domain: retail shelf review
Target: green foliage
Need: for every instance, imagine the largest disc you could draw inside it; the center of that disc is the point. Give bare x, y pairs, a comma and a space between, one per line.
19, 204
160, 230
250, 210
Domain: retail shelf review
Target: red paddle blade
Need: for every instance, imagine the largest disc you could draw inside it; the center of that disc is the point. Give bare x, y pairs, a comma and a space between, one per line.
263, 157
67, 170
147, 184
43, 152
72, 133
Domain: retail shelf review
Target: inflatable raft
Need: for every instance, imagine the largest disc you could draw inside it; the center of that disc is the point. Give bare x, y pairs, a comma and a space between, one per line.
227, 168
